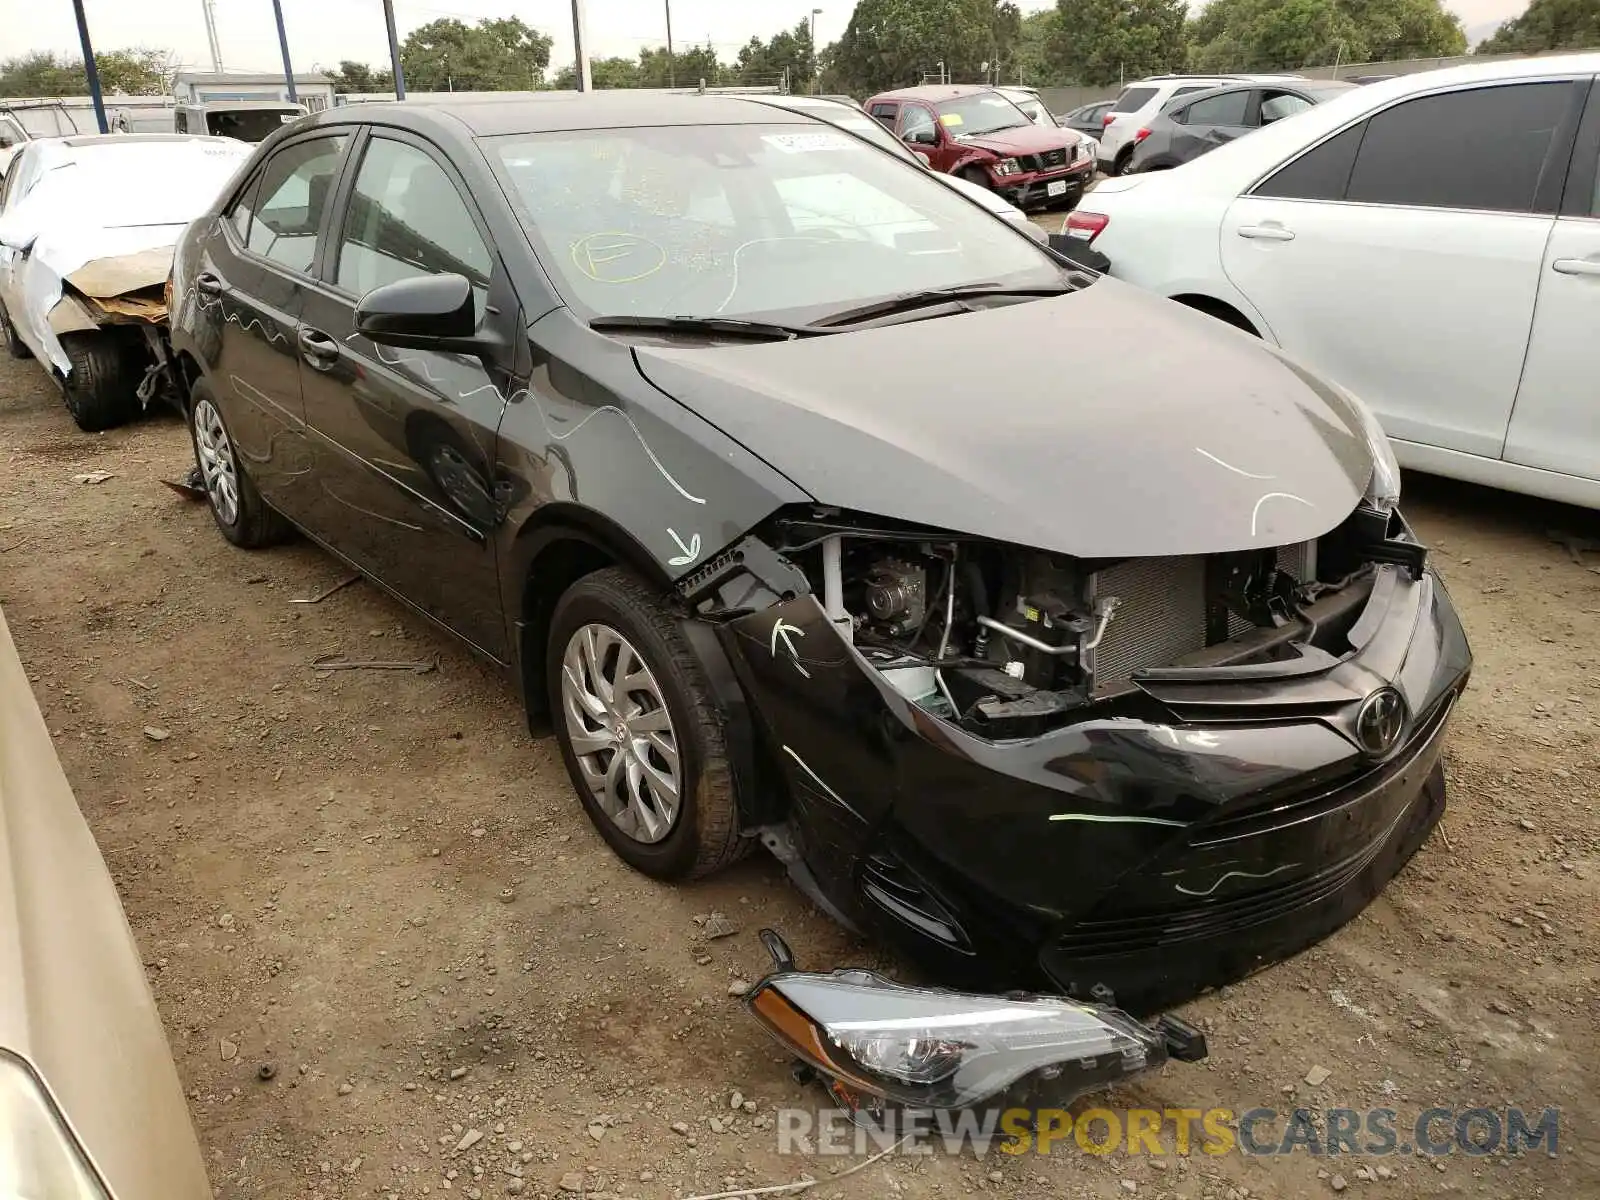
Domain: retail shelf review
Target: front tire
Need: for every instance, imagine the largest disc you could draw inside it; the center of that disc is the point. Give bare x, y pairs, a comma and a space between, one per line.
639, 730
15, 346
101, 390
238, 509
976, 175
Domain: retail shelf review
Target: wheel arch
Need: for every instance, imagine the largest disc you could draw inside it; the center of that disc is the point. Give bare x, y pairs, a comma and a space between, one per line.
1220, 309
561, 544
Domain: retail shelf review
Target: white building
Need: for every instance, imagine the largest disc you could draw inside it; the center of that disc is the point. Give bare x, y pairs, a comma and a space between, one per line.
315, 91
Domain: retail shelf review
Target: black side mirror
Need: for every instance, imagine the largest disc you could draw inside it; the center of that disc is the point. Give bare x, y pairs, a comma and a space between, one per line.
434, 312
924, 137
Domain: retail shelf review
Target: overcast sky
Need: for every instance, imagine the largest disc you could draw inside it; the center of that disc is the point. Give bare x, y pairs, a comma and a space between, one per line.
322, 32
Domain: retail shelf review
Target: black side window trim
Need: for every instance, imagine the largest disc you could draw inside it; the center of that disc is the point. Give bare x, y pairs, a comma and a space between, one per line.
1552, 173
326, 266
351, 134
1581, 195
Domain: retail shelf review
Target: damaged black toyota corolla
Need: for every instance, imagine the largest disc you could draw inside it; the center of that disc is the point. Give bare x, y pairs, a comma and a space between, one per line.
765, 462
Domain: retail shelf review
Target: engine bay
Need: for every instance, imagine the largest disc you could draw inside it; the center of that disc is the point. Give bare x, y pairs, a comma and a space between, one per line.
1008, 641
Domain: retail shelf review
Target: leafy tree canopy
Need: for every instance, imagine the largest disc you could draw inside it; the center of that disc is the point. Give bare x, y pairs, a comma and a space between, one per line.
1548, 25
137, 72
496, 54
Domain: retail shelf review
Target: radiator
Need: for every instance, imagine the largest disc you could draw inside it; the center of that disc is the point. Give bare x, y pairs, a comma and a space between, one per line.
1162, 611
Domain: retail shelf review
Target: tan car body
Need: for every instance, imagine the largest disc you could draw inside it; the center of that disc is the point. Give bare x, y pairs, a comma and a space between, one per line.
74, 1001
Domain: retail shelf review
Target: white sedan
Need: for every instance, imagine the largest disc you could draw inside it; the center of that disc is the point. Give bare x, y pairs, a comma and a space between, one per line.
1431, 241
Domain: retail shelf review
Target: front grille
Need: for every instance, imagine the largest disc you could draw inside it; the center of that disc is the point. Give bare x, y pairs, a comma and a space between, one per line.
1027, 162
1161, 614
1053, 158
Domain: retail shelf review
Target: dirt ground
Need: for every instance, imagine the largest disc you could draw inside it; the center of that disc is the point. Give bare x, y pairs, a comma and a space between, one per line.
379, 885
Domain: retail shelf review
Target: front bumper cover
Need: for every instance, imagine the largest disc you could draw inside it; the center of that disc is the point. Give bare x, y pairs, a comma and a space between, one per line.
1218, 821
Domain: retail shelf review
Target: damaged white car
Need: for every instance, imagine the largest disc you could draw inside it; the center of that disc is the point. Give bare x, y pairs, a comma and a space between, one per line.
87, 227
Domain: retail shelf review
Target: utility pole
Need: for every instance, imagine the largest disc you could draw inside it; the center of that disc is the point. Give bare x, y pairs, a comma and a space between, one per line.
283, 44
672, 63
815, 13
580, 47
89, 68
211, 34
394, 51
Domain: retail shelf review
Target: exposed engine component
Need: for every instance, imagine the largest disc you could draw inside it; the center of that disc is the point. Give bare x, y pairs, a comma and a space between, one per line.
897, 595
1007, 641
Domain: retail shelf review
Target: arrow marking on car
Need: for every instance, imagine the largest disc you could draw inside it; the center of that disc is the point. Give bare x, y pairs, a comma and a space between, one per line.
782, 629
690, 552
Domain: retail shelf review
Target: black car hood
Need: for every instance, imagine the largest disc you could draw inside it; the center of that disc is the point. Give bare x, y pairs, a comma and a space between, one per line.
1103, 423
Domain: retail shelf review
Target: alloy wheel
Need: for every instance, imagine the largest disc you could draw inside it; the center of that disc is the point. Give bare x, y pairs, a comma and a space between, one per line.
621, 733
216, 461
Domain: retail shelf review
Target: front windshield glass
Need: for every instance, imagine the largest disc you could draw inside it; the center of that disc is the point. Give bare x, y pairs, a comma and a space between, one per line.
748, 221
983, 112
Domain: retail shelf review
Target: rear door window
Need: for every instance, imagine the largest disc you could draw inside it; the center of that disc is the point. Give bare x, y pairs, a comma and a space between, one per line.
1477, 149
1321, 173
1133, 99
886, 113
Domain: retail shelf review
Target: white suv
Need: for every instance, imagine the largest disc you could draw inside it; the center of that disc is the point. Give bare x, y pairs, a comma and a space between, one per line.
1143, 99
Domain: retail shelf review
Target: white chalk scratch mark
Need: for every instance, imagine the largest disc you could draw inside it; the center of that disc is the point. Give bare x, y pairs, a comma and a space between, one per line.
1255, 512
1227, 466
1227, 875
820, 782
1099, 819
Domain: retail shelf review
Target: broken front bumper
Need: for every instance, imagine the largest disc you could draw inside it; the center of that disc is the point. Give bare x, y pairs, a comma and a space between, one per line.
1214, 821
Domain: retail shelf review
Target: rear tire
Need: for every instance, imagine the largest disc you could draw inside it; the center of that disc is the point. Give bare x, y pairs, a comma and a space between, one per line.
101, 390
237, 507
15, 346
635, 717
1123, 163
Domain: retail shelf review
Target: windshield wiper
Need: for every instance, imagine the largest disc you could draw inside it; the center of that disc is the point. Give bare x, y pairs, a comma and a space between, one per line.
716, 326
914, 300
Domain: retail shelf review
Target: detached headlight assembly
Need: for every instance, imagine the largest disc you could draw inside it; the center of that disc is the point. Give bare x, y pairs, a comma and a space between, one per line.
1007, 166
880, 1042
38, 1154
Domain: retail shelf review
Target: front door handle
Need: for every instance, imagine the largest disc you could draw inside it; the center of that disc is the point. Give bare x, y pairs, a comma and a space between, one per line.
1266, 233
319, 350
1576, 266
208, 284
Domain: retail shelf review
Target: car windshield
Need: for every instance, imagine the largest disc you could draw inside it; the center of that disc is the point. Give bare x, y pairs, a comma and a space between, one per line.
748, 220
984, 112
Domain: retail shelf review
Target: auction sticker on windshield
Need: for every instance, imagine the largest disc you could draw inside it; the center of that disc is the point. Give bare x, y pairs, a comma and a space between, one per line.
806, 143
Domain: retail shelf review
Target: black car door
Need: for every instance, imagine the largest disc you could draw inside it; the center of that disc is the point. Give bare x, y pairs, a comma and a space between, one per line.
248, 291
405, 439
1211, 121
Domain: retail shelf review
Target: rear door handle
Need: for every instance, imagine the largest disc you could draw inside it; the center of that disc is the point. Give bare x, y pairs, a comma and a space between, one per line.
208, 284
1576, 266
1266, 233
319, 350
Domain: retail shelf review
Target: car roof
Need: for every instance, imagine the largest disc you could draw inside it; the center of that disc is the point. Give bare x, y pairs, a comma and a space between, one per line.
78, 140
620, 108
1309, 87
935, 92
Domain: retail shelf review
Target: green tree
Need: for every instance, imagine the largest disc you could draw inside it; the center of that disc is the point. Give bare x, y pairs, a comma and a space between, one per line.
495, 55
1280, 35
603, 72
684, 68
358, 77
1031, 59
1104, 41
1547, 25
893, 43
135, 72
785, 54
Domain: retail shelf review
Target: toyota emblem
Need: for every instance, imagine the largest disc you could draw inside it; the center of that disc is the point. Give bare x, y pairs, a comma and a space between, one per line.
1380, 721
